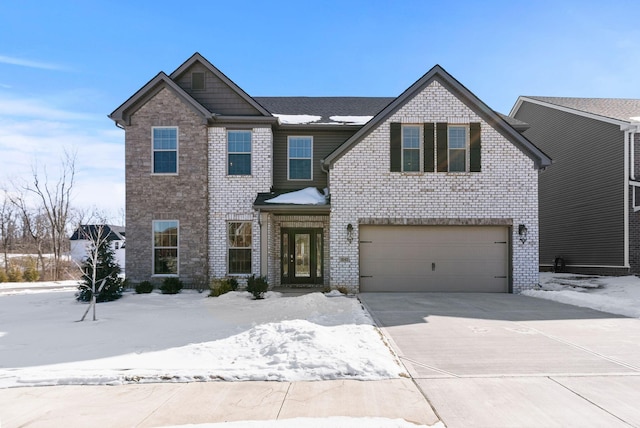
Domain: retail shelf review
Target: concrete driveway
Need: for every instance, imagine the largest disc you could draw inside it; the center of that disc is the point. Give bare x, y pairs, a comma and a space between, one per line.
503, 360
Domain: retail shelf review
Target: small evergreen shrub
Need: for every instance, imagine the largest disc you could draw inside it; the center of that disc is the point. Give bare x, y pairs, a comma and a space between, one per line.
3, 276
107, 270
257, 286
171, 285
144, 287
220, 286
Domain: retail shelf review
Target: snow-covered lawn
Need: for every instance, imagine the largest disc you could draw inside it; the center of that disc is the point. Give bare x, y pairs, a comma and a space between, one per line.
186, 337
617, 295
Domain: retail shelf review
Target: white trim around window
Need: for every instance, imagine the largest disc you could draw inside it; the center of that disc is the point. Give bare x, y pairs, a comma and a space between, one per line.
411, 148
300, 151
458, 146
165, 143
165, 248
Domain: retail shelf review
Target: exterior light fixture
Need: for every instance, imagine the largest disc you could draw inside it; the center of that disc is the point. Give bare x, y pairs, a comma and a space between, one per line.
349, 233
522, 231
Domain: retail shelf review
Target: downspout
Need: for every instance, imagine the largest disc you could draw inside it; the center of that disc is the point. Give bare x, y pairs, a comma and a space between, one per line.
629, 174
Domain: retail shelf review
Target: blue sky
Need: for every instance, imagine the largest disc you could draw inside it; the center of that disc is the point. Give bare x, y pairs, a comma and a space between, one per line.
65, 65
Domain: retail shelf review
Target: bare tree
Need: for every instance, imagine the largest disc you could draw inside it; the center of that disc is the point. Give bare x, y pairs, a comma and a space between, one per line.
55, 201
8, 226
33, 224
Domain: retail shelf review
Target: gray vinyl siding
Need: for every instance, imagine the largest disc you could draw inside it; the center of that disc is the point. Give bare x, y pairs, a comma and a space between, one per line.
217, 96
324, 142
581, 195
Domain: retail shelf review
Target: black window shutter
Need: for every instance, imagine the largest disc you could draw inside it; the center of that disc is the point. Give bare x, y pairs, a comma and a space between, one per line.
474, 147
442, 143
429, 147
396, 147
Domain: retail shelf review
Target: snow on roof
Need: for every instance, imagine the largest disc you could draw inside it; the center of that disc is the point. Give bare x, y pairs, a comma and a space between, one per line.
307, 196
297, 119
352, 120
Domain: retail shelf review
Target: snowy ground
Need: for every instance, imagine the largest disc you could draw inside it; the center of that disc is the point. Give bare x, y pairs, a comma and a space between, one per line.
186, 337
617, 295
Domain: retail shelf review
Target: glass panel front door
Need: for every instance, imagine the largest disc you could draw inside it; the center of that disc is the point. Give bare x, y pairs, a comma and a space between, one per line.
301, 256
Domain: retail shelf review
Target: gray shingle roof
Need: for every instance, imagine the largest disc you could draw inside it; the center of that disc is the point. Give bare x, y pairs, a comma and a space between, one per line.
614, 108
324, 106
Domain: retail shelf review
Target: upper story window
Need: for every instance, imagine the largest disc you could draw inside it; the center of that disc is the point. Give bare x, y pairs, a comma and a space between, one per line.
197, 80
457, 148
239, 152
165, 247
300, 156
165, 150
411, 148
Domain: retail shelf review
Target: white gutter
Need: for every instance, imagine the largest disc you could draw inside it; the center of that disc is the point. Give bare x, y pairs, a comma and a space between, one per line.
629, 130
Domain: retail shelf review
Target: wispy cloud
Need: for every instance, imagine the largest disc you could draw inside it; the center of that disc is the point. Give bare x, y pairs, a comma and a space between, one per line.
31, 64
32, 108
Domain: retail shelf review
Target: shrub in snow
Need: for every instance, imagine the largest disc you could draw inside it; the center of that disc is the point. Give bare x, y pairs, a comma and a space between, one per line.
3, 276
144, 287
220, 286
31, 273
100, 267
257, 286
171, 285
14, 274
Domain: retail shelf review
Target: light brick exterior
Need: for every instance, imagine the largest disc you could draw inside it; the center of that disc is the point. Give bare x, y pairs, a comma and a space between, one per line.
204, 199
181, 196
364, 191
231, 197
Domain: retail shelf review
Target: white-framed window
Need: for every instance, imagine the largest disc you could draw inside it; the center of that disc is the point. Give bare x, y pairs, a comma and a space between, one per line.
300, 158
165, 247
458, 139
411, 143
239, 240
239, 152
164, 140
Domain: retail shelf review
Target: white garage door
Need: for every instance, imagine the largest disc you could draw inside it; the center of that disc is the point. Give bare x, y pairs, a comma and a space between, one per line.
434, 258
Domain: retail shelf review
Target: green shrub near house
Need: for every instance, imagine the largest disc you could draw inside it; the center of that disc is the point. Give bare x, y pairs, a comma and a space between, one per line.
171, 285
220, 286
257, 285
144, 287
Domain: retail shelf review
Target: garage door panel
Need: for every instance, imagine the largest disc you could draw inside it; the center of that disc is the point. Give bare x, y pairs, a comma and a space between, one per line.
434, 258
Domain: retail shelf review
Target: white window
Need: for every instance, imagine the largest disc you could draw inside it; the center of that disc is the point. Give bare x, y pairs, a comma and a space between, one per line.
411, 148
458, 143
300, 156
165, 149
239, 241
239, 152
165, 247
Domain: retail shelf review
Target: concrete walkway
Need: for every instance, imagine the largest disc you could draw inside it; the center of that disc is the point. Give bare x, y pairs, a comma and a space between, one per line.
153, 405
498, 360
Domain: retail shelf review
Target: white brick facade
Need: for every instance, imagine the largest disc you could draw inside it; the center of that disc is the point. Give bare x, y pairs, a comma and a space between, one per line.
363, 190
231, 197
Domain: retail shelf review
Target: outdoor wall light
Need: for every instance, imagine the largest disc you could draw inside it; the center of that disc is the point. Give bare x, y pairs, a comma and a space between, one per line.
522, 231
349, 232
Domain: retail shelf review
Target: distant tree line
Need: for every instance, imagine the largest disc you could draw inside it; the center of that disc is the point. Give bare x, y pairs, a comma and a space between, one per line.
36, 218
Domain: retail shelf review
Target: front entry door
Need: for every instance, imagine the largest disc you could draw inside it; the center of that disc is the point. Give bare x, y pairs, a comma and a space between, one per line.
301, 256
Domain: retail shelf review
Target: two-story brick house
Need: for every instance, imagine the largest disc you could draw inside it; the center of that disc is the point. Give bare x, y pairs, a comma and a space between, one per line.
430, 191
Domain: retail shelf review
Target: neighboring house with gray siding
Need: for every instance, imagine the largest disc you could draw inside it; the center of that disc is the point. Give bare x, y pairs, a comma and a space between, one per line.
589, 198
428, 191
